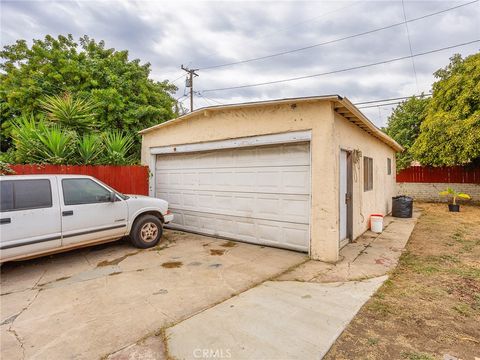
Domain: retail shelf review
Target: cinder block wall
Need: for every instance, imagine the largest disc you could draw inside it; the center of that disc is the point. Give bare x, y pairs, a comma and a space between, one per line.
429, 191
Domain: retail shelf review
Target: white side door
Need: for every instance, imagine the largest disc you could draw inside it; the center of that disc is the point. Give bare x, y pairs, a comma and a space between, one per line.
87, 213
343, 197
29, 216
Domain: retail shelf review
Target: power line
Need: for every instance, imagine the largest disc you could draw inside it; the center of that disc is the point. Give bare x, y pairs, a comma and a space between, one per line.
276, 32
206, 97
391, 99
409, 43
283, 30
178, 78
336, 40
343, 70
379, 105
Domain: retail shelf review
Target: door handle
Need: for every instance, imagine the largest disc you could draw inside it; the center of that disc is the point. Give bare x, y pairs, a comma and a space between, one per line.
5, 221
348, 197
67, 213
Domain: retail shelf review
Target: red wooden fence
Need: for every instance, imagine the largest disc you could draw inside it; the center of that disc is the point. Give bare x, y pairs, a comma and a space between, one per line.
454, 174
131, 179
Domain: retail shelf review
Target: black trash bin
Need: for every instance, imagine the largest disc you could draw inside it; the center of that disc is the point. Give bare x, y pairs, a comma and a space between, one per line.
402, 206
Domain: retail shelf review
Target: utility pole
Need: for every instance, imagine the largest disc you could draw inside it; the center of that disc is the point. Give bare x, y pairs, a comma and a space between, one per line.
191, 73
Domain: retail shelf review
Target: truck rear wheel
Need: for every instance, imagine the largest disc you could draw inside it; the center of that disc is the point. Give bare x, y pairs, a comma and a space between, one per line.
146, 231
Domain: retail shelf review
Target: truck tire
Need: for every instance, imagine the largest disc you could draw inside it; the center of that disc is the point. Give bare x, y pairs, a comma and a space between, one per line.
146, 231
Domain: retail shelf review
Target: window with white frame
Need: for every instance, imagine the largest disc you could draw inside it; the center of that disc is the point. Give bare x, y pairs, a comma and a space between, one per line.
367, 173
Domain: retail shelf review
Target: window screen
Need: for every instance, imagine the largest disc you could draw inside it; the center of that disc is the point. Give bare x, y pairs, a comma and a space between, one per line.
25, 194
83, 191
389, 166
367, 173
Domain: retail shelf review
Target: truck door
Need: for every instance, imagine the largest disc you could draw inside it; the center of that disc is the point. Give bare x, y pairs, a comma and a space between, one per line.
88, 214
29, 216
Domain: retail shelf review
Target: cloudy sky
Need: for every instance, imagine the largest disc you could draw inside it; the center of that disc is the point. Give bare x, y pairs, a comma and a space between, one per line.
204, 34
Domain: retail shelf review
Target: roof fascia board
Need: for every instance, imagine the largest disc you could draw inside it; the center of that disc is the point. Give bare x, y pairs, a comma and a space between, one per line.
202, 111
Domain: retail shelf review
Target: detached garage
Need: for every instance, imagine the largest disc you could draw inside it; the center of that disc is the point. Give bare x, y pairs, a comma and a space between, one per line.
301, 174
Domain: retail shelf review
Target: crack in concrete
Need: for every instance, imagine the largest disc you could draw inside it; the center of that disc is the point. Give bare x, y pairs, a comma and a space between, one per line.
19, 340
11, 329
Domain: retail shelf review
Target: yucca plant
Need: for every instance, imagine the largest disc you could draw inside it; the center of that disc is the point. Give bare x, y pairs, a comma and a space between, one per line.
117, 148
89, 148
71, 112
26, 139
57, 145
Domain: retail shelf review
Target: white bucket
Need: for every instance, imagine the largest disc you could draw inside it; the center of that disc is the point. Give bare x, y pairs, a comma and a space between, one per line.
376, 223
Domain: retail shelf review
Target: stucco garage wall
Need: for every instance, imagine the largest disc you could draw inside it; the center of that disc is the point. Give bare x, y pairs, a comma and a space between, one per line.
379, 200
252, 121
326, 140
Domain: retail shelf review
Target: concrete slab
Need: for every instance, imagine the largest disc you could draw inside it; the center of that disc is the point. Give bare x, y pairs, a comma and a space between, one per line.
93, 302
371, 255
151, 348
276, 320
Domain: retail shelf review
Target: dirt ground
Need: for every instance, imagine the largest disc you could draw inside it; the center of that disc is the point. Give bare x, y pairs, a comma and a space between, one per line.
430, 306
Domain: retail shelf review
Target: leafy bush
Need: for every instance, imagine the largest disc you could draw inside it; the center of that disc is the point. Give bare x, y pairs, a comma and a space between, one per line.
65, 136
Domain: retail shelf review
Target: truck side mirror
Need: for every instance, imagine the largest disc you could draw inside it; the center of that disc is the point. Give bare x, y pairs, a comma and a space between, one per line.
113, 196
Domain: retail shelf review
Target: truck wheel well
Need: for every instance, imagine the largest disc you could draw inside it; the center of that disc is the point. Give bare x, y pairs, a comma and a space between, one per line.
157, 214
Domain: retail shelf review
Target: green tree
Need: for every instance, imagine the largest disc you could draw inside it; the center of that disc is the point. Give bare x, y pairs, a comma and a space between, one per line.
404, 126
450, 133
128, 100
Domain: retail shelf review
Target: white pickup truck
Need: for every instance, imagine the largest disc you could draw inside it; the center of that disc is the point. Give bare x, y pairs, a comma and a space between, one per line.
44, 214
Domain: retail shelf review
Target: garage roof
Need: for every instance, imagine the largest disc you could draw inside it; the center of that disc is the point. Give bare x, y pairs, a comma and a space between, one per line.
343, 107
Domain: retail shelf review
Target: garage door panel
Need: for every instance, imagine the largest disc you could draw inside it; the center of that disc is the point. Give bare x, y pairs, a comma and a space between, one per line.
290, 208
264, 180
255, 231
290, 155
258, 194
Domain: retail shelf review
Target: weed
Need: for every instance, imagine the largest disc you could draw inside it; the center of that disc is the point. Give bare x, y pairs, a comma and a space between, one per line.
463, 309
476, 304
372, 341
380, 308
416, 356
466, 272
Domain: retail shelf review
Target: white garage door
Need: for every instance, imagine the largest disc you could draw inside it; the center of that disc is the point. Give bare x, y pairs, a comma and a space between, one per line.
254, 194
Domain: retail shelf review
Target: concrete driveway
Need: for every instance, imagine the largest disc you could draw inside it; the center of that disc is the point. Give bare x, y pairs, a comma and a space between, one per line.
92, 302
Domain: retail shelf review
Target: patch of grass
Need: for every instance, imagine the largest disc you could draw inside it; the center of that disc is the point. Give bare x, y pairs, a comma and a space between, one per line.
418, 264
463, 309
380, 308
469, 272
458, 235
372, 341
468, 247
448, 258
476, 304
416, 356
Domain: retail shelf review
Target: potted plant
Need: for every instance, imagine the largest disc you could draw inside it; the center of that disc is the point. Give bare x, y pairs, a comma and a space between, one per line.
454, 207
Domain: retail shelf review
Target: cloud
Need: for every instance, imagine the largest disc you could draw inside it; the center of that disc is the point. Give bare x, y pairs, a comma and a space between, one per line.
198, 34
